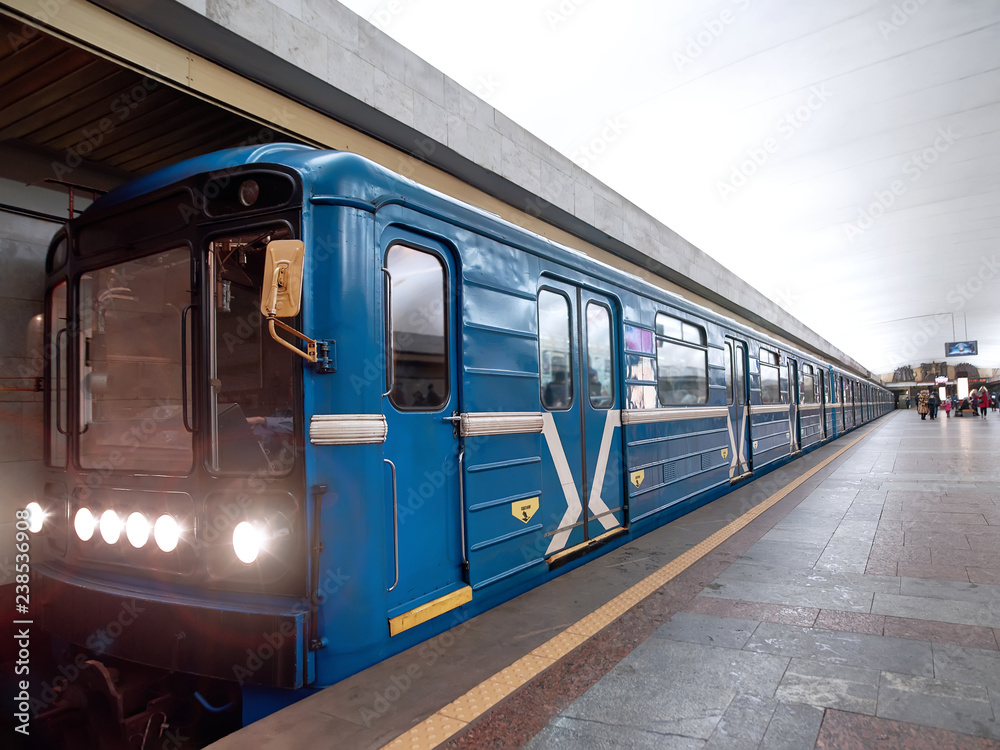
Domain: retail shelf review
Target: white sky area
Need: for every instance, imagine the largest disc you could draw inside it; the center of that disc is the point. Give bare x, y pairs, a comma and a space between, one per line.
838, 156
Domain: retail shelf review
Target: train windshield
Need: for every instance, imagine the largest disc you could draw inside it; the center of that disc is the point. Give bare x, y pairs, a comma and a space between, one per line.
252, 377
133, 367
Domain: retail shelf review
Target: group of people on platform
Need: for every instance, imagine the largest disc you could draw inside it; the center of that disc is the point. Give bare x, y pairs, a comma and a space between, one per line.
979, 402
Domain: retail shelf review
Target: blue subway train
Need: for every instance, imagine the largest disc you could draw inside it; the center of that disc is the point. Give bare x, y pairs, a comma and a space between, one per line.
303, 413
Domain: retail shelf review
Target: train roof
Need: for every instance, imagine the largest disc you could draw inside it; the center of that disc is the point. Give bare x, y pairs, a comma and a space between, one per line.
331, 174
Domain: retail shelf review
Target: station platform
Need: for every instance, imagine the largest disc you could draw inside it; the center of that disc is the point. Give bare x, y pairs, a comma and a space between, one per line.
850, 599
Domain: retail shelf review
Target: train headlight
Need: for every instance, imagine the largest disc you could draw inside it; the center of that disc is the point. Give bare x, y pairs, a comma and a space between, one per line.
84, 523
36, 517
267, 534
111, 526
167, 533
247, 539
137, 529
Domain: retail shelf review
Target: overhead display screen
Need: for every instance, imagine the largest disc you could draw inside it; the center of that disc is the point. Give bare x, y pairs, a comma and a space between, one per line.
961, 348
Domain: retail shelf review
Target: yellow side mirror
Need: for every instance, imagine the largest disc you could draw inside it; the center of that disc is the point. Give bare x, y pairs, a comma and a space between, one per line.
281, 295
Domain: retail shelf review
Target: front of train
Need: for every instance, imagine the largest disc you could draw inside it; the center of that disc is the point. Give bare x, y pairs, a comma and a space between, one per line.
175, 512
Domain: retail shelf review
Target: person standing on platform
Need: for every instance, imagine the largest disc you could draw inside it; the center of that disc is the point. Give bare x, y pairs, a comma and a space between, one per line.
907, 402
932, 405
984, 402
946, 407
922, 408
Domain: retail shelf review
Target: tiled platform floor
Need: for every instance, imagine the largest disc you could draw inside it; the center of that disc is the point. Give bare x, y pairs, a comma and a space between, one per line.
869, 616
860, 611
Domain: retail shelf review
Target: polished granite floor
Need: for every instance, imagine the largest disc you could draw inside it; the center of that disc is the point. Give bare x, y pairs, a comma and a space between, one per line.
861, 610
868, 616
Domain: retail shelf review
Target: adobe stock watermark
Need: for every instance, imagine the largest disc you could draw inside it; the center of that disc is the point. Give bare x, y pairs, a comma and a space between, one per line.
403, 680
708, 35
384, 15
588, 153
786, 127
486, 86
271, 644
914, 168
784, 297
46, 11
900, 16
93, 137
931, 326
100, 642
559, 14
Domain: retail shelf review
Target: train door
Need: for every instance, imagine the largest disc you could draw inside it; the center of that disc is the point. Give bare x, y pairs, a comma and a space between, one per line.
794, 439
841, 404
738, 421
426, 554
581, 411
824, 398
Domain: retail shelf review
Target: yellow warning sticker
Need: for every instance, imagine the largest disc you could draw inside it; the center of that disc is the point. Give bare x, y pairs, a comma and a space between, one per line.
637, 477
725, 452
523, 510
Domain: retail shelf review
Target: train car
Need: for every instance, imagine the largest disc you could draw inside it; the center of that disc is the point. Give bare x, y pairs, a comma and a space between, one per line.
303, 413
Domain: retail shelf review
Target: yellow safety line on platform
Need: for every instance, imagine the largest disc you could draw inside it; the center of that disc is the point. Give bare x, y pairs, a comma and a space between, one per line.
457, 715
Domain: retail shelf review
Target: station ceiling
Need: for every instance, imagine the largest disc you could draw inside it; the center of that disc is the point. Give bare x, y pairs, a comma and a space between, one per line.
71, 118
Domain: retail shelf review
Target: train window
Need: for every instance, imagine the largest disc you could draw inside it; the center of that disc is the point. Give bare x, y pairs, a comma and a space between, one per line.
600, 357
770, 377
741, 386
681, 366
693, 334
808, 385
770, 384
132, 386
555, 354
58, 371
251, 422
669, 326
729, 373
638, 340
419, 329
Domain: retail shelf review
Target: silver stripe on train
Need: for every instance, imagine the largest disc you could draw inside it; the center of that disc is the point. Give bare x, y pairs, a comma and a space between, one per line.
648, 416
347, 429
476, 424
769, 408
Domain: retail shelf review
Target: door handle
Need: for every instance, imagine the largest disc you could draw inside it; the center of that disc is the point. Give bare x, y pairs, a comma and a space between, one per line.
456, 423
